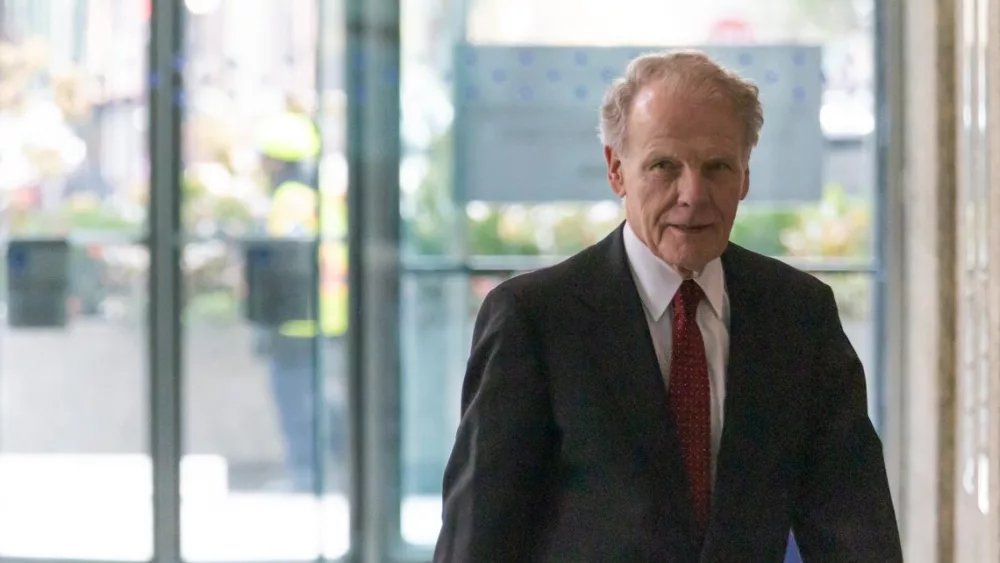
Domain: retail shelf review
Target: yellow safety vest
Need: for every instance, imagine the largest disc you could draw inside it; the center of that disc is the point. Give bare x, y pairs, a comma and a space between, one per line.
294, 211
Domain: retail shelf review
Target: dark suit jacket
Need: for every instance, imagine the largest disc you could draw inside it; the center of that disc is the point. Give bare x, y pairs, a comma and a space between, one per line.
566, 453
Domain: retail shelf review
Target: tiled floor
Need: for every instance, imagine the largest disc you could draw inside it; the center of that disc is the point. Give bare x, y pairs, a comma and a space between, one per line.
111, 518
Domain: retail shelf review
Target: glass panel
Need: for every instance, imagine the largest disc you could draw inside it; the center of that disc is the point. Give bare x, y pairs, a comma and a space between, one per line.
457, 102
437, 328
75, 474
266, 404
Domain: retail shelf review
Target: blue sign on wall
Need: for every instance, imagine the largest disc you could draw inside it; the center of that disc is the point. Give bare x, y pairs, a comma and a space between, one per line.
526, 120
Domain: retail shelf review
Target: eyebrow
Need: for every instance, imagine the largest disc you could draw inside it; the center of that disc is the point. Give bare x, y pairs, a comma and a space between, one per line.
658, 155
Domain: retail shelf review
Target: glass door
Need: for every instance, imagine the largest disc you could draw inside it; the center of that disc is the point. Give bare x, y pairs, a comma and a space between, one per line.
263, 220
199, 412
75, 470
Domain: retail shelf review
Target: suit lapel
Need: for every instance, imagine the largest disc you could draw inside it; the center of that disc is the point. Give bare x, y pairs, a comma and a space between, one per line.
630, 373
744, 357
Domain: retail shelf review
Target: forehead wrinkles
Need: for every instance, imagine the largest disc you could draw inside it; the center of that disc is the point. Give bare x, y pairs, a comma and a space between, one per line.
700, 146
684, 124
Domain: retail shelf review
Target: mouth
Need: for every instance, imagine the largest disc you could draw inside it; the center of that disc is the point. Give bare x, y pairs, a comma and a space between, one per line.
689, 229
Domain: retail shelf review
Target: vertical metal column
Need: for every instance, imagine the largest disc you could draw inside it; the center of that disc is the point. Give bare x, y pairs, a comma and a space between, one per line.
883, 146
165, 385
890, 241
373, 154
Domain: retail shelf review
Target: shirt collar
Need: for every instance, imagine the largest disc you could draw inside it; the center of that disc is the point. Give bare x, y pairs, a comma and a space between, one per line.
657, 282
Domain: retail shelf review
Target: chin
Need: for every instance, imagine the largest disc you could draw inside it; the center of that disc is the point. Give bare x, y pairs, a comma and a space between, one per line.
692, 260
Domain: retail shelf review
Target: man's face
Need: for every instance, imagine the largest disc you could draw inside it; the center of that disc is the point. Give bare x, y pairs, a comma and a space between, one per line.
683, 172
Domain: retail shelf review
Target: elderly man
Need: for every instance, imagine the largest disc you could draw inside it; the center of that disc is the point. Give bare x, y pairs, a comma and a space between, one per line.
666, 395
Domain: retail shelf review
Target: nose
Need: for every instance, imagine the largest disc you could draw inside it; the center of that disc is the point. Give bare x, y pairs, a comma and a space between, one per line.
692, 188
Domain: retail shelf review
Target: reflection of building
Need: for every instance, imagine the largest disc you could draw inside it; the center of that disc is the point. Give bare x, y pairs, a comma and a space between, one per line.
102, 44
617, 23
248, 46
116, 47
261, 54
20, 18
257, 53
107, 36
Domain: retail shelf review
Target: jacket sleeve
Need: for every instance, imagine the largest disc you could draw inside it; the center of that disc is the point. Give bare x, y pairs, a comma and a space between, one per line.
496, 480
843, 511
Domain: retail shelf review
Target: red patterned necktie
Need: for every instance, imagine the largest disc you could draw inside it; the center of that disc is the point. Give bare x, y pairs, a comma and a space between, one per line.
689, 396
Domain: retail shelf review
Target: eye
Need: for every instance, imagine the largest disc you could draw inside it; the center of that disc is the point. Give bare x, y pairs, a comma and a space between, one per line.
719, 166
667, 165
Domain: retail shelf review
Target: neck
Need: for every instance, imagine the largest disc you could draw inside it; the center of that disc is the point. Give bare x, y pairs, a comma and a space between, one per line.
685, 272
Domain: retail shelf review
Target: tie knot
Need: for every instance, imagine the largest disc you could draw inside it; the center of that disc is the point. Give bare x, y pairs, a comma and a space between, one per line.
687, 299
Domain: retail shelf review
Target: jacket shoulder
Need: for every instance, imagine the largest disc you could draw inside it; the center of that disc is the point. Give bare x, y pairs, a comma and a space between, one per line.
774, 274
551, 283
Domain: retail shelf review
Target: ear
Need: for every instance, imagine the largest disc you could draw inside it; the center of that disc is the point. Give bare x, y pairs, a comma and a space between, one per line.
746, 185
615, 177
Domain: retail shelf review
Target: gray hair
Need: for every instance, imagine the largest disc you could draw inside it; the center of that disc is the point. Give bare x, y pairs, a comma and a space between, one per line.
693, 70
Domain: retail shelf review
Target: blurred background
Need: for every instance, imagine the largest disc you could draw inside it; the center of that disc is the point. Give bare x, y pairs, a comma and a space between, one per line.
300, 204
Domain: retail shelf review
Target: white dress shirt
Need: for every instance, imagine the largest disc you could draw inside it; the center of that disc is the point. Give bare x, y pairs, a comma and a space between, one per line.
657, 283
